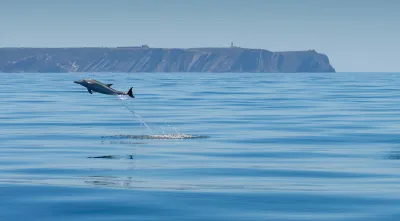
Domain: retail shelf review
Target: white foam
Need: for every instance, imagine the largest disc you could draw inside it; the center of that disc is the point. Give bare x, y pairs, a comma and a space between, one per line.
171, 136
122, 97
156, 136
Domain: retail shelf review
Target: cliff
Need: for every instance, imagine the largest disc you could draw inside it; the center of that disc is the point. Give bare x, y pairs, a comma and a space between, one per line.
144, 59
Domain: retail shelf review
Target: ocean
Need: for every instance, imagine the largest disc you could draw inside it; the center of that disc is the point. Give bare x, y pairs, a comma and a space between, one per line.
201, 146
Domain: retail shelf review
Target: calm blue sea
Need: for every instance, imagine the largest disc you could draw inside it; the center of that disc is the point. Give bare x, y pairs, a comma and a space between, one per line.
266, 147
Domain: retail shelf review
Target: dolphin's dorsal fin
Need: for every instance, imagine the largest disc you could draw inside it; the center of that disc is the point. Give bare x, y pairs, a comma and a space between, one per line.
109, 85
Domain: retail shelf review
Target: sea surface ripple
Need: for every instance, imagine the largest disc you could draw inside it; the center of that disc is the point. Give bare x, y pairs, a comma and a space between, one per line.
201, 146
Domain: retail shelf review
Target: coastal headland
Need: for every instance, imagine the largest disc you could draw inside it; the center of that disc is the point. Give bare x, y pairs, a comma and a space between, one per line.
147, 59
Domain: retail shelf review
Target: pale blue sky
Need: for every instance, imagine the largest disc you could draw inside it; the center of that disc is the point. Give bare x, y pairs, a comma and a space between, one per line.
357, 35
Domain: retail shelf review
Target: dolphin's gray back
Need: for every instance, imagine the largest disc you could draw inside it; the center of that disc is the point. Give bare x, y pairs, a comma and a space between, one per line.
102, 88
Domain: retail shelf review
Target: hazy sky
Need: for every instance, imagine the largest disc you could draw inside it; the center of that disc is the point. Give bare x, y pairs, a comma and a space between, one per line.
357, 35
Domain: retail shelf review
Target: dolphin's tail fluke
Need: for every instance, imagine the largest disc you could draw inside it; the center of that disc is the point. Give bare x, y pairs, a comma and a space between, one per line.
130, 93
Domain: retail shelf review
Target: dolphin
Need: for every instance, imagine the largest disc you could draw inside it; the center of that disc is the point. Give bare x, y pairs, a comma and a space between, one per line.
96, 86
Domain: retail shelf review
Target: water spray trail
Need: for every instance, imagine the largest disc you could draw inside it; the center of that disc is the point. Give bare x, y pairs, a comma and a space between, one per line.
140, 119
138, 116
176, 134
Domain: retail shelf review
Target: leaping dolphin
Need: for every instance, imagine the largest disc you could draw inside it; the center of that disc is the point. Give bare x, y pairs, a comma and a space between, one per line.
96, 86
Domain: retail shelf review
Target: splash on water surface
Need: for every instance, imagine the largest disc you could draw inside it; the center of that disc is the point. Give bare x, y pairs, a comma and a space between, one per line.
176, 135
122, 97
156, 136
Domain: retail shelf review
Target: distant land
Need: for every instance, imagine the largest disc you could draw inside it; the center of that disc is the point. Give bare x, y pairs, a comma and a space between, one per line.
146, 59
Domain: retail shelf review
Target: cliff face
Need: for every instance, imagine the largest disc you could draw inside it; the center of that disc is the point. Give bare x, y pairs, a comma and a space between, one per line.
142, 59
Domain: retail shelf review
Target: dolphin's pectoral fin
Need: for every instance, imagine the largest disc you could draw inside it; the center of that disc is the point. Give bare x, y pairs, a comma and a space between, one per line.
109, 85
90, 91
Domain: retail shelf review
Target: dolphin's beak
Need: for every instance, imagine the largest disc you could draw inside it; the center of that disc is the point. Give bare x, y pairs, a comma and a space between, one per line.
77, 82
